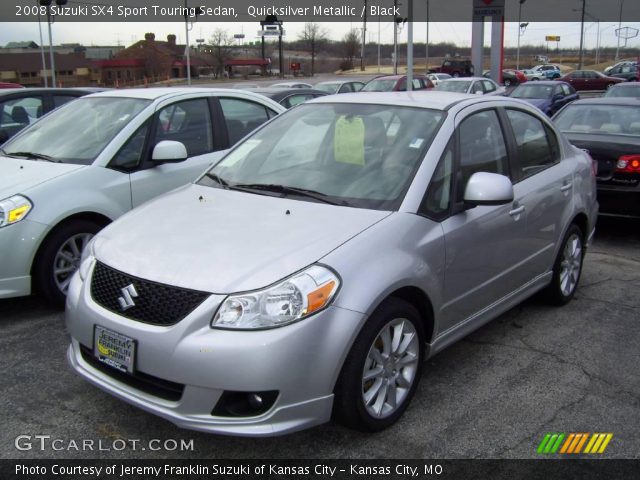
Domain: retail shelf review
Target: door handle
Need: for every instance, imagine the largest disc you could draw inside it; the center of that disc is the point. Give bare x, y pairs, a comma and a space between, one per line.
566, 187
516, 211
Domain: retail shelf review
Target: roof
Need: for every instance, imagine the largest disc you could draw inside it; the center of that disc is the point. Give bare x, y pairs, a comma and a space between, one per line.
466, 79
168, 92
31, 91
278, 94
626, 84
618, 101
32, 62
396, 77
544, 82
433, 99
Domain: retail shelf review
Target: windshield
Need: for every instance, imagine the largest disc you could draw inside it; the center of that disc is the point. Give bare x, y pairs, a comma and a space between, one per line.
454, 86
328, 87
379, 86
626, 91
608, 119
349, 154
78, 131
532, 91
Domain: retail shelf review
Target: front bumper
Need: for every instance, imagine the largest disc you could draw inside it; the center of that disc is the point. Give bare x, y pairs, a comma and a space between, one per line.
301, 361
18, 246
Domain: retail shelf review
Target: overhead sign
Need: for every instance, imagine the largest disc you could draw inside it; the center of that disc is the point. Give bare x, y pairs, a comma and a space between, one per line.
552, 38
270, 33
239, 35
488, 8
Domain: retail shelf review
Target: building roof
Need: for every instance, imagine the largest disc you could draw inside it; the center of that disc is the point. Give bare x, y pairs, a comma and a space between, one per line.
29, 44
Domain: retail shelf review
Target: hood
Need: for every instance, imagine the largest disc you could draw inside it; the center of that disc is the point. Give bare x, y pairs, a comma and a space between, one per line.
224, 241
18, 175
541, 103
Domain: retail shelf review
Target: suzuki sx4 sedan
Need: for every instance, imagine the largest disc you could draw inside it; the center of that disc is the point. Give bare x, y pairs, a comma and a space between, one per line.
310, 272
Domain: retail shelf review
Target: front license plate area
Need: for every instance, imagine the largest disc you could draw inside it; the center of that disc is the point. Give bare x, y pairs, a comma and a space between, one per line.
114, 349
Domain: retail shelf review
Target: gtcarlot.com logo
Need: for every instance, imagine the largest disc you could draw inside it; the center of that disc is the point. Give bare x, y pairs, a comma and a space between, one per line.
47, 442
574, 443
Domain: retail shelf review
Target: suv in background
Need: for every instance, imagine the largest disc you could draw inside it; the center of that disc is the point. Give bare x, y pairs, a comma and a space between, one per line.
456, 67
628, 72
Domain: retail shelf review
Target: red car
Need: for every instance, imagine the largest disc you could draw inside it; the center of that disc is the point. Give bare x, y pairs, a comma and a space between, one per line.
10, 85
589, 80
396, 83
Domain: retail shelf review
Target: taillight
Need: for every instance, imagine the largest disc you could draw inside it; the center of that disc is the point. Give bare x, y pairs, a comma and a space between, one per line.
628, 164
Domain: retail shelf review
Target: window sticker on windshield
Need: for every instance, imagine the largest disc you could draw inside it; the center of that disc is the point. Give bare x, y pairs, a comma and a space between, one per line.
348, 141
241, 152
416, 143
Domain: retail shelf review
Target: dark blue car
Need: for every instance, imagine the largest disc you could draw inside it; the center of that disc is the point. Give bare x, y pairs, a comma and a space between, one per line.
548, 95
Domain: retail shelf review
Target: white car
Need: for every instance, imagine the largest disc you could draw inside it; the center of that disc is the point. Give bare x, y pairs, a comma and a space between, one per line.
291, 85
436, 78
474, 85
534, 75
83, 165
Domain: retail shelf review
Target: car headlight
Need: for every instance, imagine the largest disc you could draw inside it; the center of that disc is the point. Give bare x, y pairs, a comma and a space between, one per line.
288, 301
14, 209
86, 260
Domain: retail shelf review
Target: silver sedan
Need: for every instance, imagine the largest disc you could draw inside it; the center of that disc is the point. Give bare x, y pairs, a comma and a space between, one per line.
311, 271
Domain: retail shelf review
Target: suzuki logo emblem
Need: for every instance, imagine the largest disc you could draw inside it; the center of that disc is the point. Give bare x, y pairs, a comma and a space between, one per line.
126, 300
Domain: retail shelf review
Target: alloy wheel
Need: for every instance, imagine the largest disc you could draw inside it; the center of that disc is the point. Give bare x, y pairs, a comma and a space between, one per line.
390, 368
570, 265
67, 259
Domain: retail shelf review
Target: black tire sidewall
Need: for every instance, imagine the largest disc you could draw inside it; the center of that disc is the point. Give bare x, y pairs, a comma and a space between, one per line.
554, 291
349, 408
43, 280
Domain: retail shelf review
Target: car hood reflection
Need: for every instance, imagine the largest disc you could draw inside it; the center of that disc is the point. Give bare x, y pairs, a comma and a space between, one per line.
255, 241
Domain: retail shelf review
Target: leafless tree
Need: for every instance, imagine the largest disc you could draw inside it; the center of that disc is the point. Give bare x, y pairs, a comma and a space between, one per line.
350, 45
312, 36
221, 43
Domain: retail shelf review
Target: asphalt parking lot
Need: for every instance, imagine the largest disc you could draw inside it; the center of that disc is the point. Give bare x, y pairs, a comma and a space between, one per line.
495, 394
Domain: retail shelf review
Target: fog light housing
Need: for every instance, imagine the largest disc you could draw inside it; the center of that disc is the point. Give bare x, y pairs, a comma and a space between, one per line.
244, 404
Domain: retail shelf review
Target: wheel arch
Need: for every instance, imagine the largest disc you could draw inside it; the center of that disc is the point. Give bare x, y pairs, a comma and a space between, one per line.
421, 302
94, 217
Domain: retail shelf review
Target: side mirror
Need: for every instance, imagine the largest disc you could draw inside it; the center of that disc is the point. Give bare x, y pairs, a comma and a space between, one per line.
557, 97
485, 188
169, 151
479, 93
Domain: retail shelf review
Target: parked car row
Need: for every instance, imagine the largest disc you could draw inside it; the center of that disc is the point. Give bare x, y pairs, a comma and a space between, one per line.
299, 323
174, 224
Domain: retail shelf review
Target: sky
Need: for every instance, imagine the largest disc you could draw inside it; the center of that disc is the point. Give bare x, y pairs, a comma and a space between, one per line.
458, 33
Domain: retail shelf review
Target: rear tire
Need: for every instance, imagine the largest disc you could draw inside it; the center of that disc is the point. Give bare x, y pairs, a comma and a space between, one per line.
455, 74
567, 268
59, 258
381, 372
507, 83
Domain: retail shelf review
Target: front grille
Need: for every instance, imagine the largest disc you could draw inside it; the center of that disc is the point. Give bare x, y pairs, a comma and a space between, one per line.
154, 303
155, 386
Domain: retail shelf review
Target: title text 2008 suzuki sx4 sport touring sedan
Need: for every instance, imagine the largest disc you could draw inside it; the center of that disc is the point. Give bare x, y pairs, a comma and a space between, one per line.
313, 269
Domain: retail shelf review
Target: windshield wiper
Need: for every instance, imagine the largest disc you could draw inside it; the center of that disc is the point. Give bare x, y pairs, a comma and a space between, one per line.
32, 155
284, 189
216, 178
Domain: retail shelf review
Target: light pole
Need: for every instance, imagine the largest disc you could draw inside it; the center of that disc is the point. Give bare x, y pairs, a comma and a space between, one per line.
44, 63
619, 28
47, 3
364, 37
520, 33
426, 44
580, 62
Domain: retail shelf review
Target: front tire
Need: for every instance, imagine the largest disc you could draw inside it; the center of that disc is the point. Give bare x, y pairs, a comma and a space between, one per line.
507, 83
567, 268
381, 372
59, 258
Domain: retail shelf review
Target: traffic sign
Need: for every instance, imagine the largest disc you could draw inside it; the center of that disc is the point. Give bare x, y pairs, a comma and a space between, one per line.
552, 38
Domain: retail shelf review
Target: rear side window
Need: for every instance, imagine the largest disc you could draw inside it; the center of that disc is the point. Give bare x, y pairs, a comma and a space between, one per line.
537, 147
188, 122
242, 117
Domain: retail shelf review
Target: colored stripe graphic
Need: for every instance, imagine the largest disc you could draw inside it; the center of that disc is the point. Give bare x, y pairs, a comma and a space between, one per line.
573, 443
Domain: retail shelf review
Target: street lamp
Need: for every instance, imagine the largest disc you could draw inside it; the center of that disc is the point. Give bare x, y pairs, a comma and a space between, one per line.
580, 62
47, 3
521, 30
619, 28
426, 45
